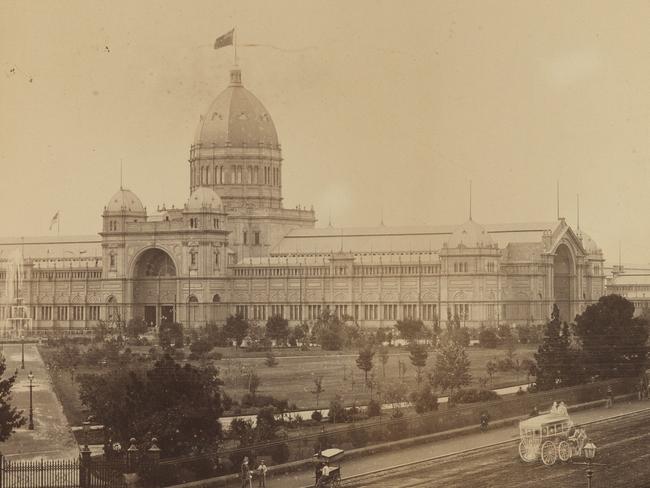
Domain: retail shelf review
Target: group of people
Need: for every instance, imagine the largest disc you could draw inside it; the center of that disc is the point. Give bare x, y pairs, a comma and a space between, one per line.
247, 474
559, 409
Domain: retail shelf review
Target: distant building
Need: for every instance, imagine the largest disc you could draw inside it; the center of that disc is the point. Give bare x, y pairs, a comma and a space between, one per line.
233, 248
631, 283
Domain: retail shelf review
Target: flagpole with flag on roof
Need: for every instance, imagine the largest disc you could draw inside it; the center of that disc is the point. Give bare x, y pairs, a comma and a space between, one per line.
227, 39
56, 220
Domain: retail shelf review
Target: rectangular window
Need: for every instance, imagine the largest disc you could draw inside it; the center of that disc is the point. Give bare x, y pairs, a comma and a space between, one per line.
46, 313
245, 238
93, 312
256, 236
77, 312
62, 313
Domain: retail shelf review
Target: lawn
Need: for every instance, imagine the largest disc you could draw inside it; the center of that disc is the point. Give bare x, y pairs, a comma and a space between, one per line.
293, 377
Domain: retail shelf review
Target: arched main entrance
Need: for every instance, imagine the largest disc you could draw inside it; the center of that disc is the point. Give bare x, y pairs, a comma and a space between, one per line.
154, 287
563, 273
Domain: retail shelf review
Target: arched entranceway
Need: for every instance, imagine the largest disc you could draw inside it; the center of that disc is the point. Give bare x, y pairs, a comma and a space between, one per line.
154, 287
563, 273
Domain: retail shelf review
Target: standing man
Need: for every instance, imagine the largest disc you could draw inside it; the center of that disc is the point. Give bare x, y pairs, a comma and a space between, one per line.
246, 476
261, 473
610, 397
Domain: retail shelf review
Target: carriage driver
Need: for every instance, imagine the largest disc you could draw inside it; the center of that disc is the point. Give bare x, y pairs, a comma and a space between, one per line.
324, 476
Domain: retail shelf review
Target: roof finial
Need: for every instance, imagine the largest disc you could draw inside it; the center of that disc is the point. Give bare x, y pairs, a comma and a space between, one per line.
557, 192
330, 217
470, 199
381, 222
121, 179
578, 209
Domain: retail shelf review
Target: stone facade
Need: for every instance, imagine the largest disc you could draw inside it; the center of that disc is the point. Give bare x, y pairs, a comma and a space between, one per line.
233, 247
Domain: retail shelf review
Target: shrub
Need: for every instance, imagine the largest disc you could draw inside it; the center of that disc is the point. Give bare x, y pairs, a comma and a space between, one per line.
505, 364
374, 408
472, 395
317, 416
487, 338
337, 412
424, 399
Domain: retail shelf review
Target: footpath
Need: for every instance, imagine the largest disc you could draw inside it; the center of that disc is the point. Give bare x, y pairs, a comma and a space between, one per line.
404, 452
51, 437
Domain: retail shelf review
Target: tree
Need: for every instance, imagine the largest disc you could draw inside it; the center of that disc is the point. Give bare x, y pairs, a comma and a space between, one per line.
418, 356
451, 370
236, 328
487, 338
380, 335
318, 388
180, 405
10, 417
254, 382
490, 369
201, 347
364, 360
410, 329
270, 360
170, 334
395, 394
556, 361
424, 399
136, 327
383, 357
613, 340
277, 328
329, 331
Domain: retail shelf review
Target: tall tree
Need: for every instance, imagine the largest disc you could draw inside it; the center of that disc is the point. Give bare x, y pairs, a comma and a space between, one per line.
451, 370
318, 388
418, 356
180, 405
277, 328
10, 417
364, 360
557, 364
383, 357
613, 340
236, 328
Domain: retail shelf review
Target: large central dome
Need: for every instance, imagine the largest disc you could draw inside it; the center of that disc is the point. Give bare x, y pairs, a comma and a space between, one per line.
236, 118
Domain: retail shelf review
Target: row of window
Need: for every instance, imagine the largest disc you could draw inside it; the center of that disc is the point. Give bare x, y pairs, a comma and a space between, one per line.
195, 223
67, 275
65, 312
369, 311
236, 175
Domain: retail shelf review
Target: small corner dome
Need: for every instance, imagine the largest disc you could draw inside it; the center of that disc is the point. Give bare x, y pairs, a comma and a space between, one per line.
125, 201
588, 243
470, 234
204, 197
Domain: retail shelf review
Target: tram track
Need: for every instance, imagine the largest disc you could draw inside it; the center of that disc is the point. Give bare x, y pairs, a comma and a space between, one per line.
472, 467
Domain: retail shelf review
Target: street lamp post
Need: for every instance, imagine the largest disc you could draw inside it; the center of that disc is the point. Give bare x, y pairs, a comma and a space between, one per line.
31, 409
590, 453
22, 349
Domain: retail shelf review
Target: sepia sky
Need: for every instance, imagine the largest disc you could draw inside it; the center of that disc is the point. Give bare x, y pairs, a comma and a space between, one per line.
380, 106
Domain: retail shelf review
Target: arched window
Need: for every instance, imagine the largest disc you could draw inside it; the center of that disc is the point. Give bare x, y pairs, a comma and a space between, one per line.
193, 303
216, 298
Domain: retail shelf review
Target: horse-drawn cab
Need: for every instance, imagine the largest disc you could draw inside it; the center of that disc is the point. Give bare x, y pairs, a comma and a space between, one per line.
549, 437
332, 459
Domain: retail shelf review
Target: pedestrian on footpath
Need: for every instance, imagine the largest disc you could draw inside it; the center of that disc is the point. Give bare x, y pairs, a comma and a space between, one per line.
610, 397
261, 474
246, 475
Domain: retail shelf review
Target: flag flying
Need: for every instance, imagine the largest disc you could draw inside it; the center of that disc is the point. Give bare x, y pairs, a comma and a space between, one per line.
225, 40
55, 220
